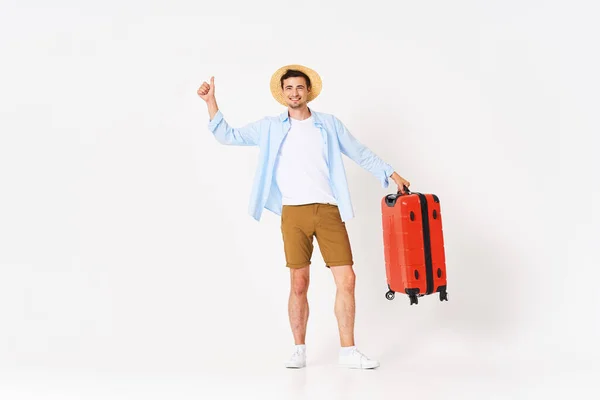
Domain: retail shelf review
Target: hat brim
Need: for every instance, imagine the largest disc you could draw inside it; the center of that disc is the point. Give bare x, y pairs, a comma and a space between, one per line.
315, 82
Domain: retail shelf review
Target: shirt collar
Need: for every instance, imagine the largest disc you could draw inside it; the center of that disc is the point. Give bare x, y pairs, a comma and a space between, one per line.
284, 116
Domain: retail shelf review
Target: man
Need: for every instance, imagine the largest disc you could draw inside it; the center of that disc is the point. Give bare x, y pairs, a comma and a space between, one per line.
300, 176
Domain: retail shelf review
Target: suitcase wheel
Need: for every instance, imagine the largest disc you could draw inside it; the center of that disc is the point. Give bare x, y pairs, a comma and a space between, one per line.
390, 295
443, 295
413, 299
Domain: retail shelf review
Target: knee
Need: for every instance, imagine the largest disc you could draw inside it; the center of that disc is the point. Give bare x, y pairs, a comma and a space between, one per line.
347, 282
299, 286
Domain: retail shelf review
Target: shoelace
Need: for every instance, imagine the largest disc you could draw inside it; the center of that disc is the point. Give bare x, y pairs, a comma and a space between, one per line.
297, 354
362, 356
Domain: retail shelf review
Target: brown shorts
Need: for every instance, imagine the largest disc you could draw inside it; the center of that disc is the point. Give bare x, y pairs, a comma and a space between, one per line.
298, 226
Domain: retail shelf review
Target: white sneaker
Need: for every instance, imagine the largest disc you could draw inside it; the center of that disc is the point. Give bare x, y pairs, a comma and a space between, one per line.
297, 360
356, 359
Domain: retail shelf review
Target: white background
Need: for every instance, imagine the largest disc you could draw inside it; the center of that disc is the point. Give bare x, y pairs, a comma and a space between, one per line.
130, 269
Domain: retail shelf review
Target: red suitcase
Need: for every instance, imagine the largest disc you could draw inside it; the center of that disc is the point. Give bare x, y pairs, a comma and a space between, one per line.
413, 241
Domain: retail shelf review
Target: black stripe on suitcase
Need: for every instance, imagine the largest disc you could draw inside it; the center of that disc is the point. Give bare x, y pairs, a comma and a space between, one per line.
426, 242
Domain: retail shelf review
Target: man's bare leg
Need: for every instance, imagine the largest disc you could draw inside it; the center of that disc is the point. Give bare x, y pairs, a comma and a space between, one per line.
350, 356
298, 303
344, 303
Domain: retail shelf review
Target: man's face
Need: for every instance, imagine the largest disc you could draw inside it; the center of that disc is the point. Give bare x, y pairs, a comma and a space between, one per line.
295, 92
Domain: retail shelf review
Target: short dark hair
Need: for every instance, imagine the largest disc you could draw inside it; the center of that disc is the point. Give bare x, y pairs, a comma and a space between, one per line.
294, 73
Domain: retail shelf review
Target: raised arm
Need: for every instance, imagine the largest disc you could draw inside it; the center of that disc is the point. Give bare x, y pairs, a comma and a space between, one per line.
245, 136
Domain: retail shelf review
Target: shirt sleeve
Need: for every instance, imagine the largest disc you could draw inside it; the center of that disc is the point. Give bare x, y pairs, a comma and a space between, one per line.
248, 135
363, 156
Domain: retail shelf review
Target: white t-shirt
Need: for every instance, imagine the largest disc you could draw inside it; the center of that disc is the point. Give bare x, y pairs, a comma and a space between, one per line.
301, 173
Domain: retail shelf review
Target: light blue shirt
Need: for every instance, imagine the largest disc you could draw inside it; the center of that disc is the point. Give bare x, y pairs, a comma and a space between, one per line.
269, 133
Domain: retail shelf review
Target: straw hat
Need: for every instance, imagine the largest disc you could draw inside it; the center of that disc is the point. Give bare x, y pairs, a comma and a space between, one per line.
315, 82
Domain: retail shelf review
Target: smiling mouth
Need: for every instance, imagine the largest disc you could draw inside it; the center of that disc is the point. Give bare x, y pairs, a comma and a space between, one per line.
295, 99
